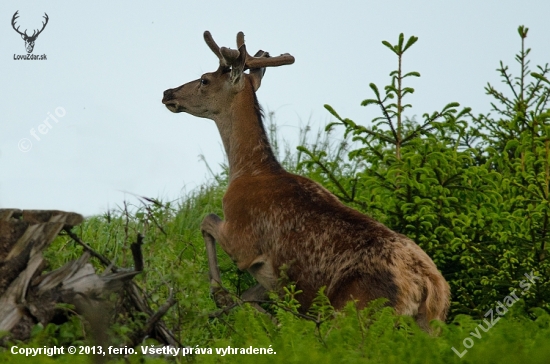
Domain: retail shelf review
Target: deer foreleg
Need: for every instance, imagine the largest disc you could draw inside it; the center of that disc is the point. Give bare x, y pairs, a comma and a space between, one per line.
210, 231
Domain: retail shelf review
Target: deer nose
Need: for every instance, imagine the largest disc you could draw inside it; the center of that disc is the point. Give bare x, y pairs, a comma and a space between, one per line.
167, 95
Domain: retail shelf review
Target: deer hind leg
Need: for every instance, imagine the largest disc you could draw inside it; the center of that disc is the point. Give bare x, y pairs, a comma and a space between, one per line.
210, 228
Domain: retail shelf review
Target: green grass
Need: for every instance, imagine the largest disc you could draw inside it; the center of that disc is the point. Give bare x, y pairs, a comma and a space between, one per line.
176, 260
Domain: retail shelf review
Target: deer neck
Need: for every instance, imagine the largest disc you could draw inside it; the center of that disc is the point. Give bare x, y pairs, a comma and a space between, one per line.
245, 141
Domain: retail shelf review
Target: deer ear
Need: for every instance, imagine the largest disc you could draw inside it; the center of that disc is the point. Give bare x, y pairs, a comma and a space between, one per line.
256, 75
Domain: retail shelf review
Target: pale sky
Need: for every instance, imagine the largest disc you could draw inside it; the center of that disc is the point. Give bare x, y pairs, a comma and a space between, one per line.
108, 63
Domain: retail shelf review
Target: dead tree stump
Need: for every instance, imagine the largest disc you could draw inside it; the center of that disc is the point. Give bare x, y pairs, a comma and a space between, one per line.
28, 297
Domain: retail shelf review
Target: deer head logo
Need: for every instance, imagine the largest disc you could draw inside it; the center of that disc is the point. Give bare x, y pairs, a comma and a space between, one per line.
29, 40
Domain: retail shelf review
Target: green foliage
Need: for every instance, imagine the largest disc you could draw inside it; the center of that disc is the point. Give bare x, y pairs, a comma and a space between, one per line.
471, 190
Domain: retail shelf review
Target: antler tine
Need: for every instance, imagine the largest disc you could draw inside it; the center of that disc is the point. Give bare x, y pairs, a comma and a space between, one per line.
225, 55
13, 19
213, 46
240, 39
262, 59
43, 24
267, 61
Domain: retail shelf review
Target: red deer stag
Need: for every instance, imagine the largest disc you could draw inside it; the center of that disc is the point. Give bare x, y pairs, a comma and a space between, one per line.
274, 218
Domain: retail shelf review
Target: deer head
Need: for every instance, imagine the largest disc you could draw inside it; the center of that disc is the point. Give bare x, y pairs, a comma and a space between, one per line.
29, 40
215, 92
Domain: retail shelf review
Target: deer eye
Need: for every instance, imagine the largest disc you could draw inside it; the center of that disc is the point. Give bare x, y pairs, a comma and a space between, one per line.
204, 81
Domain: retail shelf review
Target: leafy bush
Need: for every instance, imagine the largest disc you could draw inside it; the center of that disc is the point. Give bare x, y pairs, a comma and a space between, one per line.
472, 191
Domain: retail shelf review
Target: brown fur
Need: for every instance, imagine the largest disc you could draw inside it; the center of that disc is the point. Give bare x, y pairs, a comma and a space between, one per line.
274, 218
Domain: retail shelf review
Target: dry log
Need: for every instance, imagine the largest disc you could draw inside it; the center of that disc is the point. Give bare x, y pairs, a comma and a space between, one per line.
26, 297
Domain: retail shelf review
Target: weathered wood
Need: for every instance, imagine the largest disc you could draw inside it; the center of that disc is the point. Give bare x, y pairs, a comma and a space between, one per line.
136, 253
10, 232
6, 214
24, 234
12, 302
79, 277
40, 216
26, 297
134, 292
69, 219
141, 304
38, 235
